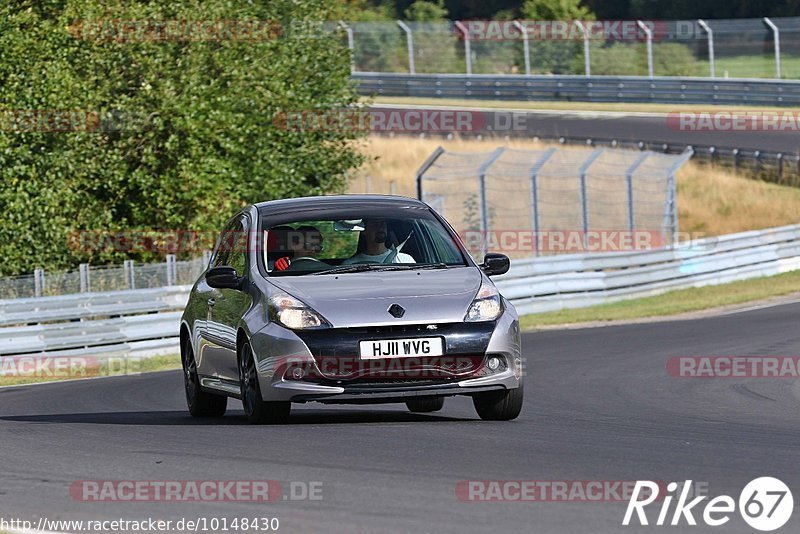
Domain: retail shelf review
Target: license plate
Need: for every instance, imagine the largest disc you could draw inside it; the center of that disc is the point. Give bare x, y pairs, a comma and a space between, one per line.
401, 348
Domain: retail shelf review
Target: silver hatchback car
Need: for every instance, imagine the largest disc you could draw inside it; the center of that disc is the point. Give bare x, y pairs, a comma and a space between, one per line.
348, 299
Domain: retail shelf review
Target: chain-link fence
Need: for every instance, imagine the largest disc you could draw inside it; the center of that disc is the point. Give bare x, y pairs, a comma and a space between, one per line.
555, 200
88, 278
738, 48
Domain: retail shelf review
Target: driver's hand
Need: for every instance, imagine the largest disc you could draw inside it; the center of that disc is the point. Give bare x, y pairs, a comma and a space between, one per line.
282, 263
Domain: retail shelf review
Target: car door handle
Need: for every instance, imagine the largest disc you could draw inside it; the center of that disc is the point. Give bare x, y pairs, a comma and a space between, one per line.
212, 302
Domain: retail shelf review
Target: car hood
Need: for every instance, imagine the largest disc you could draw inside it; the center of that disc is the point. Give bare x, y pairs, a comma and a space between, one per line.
362, 299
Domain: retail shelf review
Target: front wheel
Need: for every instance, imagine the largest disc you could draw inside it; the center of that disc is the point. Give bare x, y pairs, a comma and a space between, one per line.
257, 411
499, 405
199, 402
425, 405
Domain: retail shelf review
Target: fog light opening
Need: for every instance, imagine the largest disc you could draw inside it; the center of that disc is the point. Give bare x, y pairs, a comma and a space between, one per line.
494, 363
297, 373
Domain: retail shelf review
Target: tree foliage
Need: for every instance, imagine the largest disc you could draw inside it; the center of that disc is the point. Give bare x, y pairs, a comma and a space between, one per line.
197, 133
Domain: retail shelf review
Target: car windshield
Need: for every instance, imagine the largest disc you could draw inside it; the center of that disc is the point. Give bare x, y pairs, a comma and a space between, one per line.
350, 243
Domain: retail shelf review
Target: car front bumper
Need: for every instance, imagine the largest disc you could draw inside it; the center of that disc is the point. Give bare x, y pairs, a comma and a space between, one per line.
278, 349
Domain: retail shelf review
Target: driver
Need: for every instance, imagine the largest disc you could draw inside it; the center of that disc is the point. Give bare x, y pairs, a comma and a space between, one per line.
374, 250
306, 242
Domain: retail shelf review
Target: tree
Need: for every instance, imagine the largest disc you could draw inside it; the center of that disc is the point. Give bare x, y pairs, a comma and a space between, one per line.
556, 10
170, 134
422, 11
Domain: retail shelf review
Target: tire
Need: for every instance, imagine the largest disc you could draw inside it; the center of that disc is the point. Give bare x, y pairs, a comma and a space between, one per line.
425, 404
499, 405
256, 410
199, 402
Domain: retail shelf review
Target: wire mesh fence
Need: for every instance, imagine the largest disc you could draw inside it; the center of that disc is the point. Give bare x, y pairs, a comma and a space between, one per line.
104, 278
735, 48
555, 200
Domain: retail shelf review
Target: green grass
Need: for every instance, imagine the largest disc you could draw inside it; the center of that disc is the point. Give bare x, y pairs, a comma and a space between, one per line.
752, 66
674, 302
560, 106
115, 366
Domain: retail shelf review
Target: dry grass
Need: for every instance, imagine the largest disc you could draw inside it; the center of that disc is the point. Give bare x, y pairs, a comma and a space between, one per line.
715, 201
711, 200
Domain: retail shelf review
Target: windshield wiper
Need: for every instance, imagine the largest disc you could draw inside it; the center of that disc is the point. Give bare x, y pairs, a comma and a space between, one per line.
416, 267
357, 268
362, 267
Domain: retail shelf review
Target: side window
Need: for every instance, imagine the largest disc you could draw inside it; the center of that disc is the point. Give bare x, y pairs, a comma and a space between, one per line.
238, 253
232, 249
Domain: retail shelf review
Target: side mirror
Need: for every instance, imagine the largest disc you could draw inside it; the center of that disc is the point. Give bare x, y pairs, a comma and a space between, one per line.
223, 277
494, 264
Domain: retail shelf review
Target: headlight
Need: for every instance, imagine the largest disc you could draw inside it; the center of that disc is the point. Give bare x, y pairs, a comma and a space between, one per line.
487, 305
294, 313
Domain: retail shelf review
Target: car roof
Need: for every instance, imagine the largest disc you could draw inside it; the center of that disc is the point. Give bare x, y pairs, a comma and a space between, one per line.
334, 201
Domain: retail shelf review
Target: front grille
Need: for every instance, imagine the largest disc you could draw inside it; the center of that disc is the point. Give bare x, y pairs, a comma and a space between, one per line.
401, 328
406, 369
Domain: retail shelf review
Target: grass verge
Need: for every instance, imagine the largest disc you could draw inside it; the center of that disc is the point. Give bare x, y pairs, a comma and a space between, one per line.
564, 106
674, 302
30, 370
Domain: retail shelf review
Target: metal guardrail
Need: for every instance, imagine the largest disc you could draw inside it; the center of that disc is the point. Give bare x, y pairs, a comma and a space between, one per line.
109, 323
617, 89
579, 280
122, 322
87, 306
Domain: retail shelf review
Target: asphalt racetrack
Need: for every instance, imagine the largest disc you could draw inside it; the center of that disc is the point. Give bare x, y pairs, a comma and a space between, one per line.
600, 406
623, 126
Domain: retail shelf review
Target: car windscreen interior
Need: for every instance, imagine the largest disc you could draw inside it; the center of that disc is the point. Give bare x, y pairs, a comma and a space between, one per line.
310, 244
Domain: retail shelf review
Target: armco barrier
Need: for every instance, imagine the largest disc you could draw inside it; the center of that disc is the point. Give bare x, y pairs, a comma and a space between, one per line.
147, 321
579, 280
620, 89
139, 321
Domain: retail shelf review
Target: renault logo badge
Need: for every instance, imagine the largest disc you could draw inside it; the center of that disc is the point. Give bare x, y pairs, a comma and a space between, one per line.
396, 310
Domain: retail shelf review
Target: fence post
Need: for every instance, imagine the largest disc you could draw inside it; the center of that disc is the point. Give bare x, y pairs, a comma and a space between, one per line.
38, 282
526, 50
649, 35
629, 180
171, 270
351, 45
584, 204
777, 40
83, 272
128, 270
672, 204
424, 168
535, 195
409, 45
710, 33
484, 168
467, 49
587, 67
